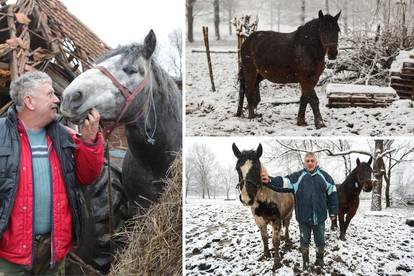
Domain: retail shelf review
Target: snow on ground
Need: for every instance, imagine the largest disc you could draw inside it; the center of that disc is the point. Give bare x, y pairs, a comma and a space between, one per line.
222, 239
212, 113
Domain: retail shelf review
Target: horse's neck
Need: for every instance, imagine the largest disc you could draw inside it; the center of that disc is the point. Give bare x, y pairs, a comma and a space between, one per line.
167, 127
309, 35
350, 183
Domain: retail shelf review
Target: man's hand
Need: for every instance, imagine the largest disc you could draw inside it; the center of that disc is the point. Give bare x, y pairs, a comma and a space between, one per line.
90, 126
264, 175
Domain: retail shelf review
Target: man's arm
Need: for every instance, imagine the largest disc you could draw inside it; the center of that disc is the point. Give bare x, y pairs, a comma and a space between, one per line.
279, 184
331, 194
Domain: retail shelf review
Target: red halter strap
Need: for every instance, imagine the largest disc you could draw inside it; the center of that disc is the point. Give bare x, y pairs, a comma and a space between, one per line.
128, 95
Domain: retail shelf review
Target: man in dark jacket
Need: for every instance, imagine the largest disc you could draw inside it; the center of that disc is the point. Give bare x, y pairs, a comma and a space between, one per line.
41, 163
315, 195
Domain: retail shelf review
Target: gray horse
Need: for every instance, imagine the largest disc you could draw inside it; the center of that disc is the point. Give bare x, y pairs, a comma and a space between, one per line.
153, 120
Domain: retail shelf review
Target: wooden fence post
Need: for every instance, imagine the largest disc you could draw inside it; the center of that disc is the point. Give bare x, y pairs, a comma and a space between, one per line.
210, 69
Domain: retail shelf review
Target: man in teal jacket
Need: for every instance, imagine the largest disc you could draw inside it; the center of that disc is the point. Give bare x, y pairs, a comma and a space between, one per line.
315, 195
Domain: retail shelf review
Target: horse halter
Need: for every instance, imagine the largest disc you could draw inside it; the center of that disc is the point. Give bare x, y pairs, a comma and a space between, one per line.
258, 185
128, 95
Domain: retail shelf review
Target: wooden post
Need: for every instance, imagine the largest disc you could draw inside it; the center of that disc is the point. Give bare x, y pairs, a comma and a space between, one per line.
210, 69
12, 29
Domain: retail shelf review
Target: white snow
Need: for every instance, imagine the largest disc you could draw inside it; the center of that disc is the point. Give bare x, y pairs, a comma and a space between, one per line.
333, 88
213, 113
222, 239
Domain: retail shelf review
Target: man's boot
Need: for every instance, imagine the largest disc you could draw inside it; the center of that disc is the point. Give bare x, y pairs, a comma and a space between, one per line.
319, 257
305, 256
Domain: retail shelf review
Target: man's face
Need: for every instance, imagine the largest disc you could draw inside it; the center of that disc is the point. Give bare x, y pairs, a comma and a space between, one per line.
44, 103
310, 163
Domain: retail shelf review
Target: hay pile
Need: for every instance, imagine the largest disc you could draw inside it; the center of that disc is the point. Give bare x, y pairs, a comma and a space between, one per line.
154, 245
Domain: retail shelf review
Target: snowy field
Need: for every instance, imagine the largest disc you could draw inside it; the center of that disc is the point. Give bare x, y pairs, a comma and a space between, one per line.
222, 239
212, 113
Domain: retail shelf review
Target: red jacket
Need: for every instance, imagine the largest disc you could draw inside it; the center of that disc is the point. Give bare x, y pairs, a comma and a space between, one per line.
16, 242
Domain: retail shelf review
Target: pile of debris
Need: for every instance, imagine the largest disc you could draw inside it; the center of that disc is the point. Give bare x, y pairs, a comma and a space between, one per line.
348, 95
402, 75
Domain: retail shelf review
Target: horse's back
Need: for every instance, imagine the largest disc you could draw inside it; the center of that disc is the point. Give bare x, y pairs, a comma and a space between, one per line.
272, 53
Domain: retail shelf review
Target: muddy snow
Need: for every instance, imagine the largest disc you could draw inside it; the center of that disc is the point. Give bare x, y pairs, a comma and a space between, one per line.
213, 113
222, 239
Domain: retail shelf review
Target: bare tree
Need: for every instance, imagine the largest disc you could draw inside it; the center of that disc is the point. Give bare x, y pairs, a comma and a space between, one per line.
404, 153
327, 6
204, 165
230, 179
216, 6
176, 42
229, 6
189, 5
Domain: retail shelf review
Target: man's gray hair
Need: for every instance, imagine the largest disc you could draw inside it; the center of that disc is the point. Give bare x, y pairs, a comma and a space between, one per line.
309, 153
23, 86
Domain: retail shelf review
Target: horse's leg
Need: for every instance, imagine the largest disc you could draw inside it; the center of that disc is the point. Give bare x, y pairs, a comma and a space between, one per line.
265, 239
242, 91
276, 242
259, 78
341, 226
351, 213
252, 95
304, 100
314, 103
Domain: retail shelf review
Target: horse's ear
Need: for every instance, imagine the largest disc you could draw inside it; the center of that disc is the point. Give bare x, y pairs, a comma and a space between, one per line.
150, 42
336, 17
358, 162
320, 14
259, 151
236, 150
369, 161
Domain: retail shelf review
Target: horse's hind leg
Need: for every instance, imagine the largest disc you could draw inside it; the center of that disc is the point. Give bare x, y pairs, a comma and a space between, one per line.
242, 91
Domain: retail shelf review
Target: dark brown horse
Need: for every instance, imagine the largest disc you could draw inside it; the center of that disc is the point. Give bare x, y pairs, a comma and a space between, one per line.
297, 57
348, 194
267, 206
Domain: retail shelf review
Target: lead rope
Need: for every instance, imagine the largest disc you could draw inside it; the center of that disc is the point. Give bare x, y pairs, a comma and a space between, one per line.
150, 137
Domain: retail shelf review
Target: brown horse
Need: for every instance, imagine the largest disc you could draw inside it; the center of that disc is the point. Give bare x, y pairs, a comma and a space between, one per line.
348, 194
267, 206
297, 57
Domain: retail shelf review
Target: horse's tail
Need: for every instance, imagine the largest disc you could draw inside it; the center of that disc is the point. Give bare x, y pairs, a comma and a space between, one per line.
242, 89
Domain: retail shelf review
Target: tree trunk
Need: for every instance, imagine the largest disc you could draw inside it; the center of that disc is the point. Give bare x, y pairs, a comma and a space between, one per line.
230, 13
378, 173
327, 6
387, 178
217, 19
190, 20
302, 15
346, 16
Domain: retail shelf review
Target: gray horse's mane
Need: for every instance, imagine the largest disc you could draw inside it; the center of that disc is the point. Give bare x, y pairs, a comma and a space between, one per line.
162, 81
127, 51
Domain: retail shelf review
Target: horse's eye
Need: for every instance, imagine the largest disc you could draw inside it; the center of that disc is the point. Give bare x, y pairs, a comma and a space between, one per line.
130, 70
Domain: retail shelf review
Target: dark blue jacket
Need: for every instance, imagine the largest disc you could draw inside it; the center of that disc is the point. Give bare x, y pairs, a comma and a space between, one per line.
315, 194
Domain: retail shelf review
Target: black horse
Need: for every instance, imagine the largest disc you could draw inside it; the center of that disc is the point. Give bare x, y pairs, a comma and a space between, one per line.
296, 57
348, 194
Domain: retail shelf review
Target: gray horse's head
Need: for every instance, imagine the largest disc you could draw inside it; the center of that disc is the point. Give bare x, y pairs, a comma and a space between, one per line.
128, 64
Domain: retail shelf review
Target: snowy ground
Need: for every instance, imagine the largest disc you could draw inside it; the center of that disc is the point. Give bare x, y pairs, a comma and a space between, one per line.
212, 113
222, 239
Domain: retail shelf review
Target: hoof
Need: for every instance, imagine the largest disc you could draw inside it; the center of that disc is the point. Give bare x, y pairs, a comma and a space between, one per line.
319, 124
342, 238
276, 265
238, 114
264, 257
302, 123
